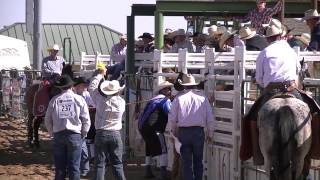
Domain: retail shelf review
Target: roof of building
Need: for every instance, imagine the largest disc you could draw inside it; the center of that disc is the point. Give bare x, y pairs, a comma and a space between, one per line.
89, 38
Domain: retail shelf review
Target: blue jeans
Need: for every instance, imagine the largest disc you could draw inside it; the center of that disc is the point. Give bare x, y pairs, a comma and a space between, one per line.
116, 69
84, 163
67, 151
108, 144
192, 140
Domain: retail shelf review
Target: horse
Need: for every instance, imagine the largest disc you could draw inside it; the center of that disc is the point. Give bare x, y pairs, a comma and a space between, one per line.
285, 137
33, 121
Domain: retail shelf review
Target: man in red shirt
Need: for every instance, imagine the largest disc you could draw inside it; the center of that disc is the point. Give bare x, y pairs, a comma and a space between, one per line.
260, 15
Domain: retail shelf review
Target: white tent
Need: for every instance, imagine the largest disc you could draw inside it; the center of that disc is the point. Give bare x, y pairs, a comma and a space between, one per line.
13, 53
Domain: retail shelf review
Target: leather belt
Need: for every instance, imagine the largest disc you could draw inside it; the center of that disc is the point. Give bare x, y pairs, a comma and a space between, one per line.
285, 86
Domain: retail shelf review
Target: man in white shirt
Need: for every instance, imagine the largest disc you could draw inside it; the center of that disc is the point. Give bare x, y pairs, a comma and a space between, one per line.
67, 120
110, 107
191, 113
277, 68
80, 88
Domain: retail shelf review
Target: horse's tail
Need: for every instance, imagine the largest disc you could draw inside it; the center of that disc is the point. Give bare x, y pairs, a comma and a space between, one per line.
285, 142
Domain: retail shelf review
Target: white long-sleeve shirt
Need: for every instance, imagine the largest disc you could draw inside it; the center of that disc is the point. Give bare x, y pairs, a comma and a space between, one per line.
191, 108
277, 63
67, 111
109, 110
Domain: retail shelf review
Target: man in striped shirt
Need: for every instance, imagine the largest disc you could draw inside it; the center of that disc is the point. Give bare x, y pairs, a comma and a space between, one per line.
260, 15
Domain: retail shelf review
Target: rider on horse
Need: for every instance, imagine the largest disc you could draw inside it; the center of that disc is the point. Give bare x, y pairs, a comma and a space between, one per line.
277, 68
52, 65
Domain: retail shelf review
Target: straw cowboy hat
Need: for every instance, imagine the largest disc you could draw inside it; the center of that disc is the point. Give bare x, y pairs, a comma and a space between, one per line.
273, 31
188, 80
64, 81
310, 14
304, 38
278, 24
179, 32
227, 35
110, 87
161, 86
55, 47
246, 33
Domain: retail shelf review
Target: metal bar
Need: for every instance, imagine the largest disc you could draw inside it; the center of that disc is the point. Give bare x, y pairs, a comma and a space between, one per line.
37, 40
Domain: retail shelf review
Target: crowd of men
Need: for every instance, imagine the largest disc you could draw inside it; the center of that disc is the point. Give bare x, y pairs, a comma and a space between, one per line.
188, 113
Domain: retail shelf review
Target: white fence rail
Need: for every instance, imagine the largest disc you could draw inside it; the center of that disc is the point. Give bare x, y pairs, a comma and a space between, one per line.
222, 157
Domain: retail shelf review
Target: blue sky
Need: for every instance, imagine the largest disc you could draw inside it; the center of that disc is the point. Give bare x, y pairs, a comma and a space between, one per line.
111, 14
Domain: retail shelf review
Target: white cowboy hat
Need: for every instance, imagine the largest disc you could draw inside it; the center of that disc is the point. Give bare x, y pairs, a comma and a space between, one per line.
246, 33
110, 87
278, 24
55, 47
188, 80
304, 38
310, 14
161, 86
216, 30
227, 35
273, 31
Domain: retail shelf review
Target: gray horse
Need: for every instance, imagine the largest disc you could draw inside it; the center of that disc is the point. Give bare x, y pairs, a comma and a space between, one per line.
285, 137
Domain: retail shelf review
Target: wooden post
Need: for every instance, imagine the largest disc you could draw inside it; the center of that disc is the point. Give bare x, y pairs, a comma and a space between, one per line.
315, 4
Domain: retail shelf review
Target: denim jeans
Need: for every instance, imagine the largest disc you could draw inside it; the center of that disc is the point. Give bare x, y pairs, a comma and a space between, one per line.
192, 140
67, 151
116, 69
84, 163
108, 144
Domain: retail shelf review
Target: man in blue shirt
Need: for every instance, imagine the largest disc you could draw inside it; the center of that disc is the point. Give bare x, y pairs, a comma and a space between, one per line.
152, 125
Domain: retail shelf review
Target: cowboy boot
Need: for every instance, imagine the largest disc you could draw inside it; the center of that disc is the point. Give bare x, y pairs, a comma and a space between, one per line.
256, 152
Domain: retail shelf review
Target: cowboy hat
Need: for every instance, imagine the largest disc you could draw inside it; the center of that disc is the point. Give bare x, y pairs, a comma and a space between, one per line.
227, 35
110, 87
81, 80
162, 85
188, 80
304, 38
278, 24
216, 30
64, 81
146, 35
55, 47
246, 33
310, 14
179, 32
273, 30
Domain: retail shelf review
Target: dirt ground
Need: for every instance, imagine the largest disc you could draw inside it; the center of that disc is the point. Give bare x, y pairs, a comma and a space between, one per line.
18, 161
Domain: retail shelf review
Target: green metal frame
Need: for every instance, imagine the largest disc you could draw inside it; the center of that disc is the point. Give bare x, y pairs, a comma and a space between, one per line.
191, 8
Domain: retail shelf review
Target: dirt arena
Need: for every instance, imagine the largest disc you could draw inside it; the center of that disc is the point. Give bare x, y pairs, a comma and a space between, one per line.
18, 161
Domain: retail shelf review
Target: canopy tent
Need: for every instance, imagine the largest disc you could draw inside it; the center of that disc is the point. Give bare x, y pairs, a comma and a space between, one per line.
13, 53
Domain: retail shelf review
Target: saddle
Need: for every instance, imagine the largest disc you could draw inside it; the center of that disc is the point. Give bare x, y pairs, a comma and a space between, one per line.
41, 99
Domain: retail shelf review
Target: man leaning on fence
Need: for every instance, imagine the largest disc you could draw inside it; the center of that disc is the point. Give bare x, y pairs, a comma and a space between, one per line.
110, 107
67, 120
152, 125
190, 115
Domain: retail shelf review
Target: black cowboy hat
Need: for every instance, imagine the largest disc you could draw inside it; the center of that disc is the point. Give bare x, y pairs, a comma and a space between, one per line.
146, 35
81, 80
64, 81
